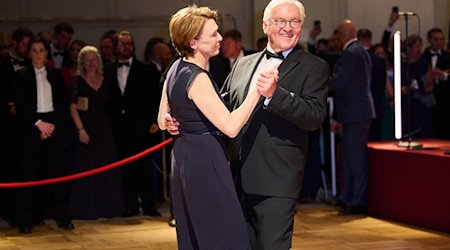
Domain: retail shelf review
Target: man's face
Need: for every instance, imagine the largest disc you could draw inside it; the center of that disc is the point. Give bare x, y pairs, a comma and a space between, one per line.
125, 47
282, 38
63, 40
107, 48
437, 41
21, 48
231, 48
163, 54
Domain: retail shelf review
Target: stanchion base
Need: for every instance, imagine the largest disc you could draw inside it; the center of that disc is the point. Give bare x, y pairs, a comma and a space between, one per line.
410, 144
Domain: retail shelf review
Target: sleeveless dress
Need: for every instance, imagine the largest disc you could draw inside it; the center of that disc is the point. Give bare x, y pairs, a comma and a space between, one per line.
206, 207
100, 195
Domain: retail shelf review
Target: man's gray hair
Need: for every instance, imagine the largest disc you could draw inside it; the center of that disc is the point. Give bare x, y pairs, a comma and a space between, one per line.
275, 3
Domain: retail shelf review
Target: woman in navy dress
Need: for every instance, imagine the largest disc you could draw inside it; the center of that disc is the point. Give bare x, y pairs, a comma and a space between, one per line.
206, 206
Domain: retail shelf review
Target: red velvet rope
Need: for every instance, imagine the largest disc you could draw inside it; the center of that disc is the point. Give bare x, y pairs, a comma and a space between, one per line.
89, 172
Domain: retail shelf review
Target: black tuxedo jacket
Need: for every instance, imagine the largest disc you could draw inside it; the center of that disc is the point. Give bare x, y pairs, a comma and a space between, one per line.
270, 150
135, 110
25, 97
442, 95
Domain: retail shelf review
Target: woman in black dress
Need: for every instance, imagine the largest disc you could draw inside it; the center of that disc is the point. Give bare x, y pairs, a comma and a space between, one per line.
99, 195
206, 206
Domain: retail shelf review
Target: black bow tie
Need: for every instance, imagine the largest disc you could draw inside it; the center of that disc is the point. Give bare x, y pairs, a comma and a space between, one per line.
435, 53
18, 62
58, 53
278, 55
119, 64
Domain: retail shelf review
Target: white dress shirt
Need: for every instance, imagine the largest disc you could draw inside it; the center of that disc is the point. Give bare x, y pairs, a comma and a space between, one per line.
122, 75
44, 91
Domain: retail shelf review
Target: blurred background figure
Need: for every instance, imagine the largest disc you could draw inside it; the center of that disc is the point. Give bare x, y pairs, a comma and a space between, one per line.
70, 67
439, 59
107, 47
417, 88
59, 47
261, 43
135, 93
98, 196
40, 97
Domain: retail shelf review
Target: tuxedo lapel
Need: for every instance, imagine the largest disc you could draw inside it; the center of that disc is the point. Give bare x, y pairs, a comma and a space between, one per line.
290, 62
249, 71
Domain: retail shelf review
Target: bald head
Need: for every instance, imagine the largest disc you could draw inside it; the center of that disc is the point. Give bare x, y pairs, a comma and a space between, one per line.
347, 31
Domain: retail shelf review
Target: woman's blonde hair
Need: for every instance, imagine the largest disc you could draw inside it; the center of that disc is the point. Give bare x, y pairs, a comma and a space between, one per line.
81, 56
186, 25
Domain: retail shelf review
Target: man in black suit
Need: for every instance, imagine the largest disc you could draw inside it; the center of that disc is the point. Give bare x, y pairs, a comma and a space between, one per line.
268, 155
231, 50
439, 60
377, 84
134, 86
59, 53
42, 104
350, 85
17, 58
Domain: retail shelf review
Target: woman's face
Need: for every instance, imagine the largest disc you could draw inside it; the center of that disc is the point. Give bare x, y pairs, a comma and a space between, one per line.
38, 54
74, 51
91, 62
416, 49
208, 43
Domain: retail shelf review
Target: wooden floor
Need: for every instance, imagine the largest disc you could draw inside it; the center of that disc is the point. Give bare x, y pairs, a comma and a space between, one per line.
316, 227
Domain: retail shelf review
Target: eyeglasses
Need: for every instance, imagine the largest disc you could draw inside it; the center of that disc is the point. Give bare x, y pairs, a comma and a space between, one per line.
125, 44
281, 23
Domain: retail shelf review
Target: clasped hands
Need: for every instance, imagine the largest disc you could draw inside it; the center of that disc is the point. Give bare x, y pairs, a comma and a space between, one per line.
46, 129
267, 82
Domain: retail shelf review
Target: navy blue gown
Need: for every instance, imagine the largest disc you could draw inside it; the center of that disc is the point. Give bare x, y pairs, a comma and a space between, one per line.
205, 202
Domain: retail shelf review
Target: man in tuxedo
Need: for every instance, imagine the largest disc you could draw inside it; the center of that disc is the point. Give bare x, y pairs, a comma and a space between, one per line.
439, 60
59, 52
42, 104
134, 87
16, 59
268, 155
350, 85
231, 50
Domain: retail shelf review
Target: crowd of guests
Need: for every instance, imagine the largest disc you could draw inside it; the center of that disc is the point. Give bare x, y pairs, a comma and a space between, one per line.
67, 107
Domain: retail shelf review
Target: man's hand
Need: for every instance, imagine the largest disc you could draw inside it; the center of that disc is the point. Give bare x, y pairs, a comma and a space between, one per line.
172, 125
267, 82
393, 17
335, 127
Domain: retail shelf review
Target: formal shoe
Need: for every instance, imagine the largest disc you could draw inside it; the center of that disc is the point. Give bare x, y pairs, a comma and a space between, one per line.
25, 229
338, 203
152, 212
66, 225
130, 213
172, 222
353, 210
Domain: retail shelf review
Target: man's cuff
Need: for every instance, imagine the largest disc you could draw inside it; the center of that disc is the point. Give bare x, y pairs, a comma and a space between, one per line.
37, 122
267, 101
